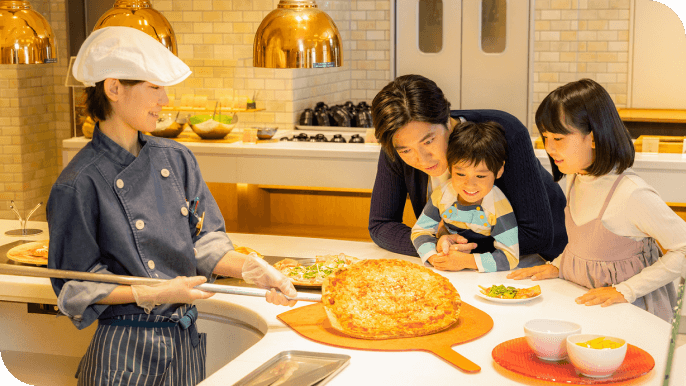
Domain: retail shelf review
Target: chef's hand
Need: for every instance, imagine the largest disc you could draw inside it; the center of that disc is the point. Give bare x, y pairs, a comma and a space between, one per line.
178, 290
604, 296
259, 272
453, 261
447, 243
540, 272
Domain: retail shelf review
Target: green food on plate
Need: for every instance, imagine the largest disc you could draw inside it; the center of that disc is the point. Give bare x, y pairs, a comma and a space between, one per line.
500, 291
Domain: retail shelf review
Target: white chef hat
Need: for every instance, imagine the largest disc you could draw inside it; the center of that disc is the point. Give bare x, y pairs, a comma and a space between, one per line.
127, 53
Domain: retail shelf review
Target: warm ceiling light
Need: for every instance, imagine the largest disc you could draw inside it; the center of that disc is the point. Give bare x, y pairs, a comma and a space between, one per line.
140, 15
297, 35
25, 35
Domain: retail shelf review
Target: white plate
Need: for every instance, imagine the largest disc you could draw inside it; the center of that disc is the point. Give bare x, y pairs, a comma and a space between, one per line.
508, 301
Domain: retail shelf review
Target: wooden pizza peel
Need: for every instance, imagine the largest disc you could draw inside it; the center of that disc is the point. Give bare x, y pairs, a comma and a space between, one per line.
311, 322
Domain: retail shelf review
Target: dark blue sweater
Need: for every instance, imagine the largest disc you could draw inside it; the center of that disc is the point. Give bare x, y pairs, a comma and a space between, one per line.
538, 201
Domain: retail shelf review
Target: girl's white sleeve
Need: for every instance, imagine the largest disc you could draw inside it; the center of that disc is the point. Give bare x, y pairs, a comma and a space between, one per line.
651, 215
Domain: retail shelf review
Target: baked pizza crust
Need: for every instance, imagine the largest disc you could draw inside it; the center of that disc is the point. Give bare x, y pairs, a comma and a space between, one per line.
35, 252
389, 298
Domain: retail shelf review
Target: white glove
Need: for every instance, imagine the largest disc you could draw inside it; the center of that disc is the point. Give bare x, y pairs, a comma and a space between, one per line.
259, 272
177, 290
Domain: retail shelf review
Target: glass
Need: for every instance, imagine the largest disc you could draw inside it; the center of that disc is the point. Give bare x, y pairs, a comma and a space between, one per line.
23, 231
493, 26
250, 135
430, 26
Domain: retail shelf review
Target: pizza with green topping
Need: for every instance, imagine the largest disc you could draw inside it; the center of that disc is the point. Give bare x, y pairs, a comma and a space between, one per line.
314, 274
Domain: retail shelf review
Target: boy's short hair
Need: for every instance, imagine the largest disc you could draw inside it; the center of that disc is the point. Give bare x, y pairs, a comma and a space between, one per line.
474, 143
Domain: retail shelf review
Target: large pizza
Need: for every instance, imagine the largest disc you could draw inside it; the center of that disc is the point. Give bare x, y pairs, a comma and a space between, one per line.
389, 298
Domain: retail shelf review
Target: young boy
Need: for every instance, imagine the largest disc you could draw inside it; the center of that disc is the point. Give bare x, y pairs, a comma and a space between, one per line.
470, 205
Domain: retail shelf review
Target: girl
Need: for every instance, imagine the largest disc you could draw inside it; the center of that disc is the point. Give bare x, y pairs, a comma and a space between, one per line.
613, 218
132, 204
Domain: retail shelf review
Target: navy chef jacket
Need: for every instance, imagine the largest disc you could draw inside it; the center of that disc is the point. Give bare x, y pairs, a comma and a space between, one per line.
112, 212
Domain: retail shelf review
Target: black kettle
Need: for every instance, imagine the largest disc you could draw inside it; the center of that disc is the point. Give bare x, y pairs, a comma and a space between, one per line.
341, 116
307, 117
356, 139
364, 117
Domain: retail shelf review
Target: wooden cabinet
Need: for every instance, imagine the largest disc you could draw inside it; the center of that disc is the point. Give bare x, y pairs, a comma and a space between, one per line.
654, 122
341, 214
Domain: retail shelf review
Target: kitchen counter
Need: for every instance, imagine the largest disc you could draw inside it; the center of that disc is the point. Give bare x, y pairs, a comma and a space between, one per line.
353, 166
407, 368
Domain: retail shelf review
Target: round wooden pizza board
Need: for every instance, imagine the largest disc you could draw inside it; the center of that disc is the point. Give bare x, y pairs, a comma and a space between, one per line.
312, 323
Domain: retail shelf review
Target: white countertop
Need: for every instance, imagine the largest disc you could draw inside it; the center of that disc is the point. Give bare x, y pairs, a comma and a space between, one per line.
638, 327
353, 166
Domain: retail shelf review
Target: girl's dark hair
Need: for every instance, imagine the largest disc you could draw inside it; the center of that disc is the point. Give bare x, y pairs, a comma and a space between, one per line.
586, 106
407, 98
97, 103
478, 142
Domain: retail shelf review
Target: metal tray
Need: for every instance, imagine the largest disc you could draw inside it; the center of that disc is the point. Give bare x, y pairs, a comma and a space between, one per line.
296, 363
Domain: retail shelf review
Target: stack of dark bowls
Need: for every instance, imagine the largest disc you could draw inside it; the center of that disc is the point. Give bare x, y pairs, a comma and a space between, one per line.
345, 115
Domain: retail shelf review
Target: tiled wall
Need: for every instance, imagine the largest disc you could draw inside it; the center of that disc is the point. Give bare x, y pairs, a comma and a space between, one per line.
34, 118
577, 39
370, 47
215, 39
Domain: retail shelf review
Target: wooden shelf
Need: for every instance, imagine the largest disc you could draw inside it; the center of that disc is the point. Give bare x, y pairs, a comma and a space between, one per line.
315, 189
668, 144
199, 110
652, 115
316, 231
341, 214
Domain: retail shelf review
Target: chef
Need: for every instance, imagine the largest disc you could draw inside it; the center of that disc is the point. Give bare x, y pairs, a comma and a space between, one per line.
133, 204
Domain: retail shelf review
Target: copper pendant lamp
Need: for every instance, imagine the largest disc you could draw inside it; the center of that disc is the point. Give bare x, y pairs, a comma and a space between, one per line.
25, 35
297, 35
140, 15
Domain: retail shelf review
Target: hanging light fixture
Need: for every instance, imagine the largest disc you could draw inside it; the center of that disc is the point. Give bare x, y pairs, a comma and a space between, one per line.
25, 35
297, 35
140, 15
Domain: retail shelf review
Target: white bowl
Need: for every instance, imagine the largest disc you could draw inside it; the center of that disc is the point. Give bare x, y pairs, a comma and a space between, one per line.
548, 337
593, 362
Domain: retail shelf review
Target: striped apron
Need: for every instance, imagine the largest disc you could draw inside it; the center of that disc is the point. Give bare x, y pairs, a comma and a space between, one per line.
145, 350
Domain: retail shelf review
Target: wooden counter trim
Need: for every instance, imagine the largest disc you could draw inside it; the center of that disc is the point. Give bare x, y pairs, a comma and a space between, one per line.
667, 143
653, 115
679, 208
315, 189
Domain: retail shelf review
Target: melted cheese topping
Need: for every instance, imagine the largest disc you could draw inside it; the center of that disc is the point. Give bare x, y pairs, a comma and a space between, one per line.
380, 299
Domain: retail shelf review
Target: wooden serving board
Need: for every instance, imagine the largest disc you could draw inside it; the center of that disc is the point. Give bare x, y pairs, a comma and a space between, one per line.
312, 323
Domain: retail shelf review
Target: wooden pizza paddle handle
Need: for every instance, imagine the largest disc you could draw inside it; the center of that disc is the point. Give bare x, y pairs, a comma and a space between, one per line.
21, 270
450, 355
